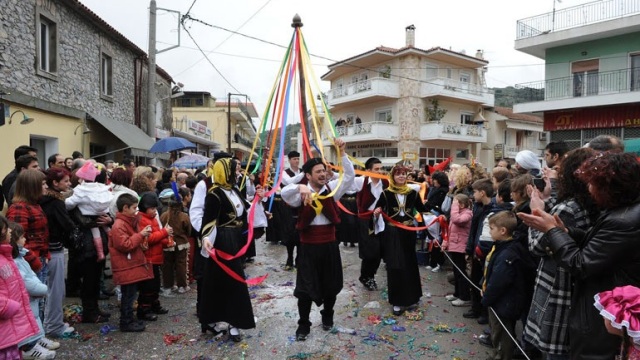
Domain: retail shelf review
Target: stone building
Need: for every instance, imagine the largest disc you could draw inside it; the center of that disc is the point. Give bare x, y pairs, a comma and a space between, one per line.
82, 81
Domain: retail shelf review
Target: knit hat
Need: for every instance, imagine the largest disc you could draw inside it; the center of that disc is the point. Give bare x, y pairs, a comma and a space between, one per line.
148, 200
88, 172
527, 159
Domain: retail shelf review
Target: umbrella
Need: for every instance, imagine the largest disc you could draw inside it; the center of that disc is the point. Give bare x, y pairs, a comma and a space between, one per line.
171, 144
191, 161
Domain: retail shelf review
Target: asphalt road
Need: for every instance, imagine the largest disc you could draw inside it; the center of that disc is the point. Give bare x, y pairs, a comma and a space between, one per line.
436, 330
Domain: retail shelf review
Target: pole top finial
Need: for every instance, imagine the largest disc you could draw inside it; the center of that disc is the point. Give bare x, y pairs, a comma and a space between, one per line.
297, 21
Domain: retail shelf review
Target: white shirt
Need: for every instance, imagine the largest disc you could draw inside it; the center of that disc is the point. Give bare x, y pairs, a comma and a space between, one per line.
291, 194
286, 179
376, 189
197, 205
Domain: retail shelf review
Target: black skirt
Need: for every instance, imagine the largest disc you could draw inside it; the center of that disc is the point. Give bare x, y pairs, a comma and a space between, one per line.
368, 242
225, 299
347, 231
282, 224
403, 275
319, 271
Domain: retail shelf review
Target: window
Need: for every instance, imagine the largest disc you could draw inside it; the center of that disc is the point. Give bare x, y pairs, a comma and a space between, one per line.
462, 153
432, 156
185, 102
106, 75
199, 102
635, 72
466, 118
384, 116
432, 71
465, 78
585, 77
449, 73
47, 45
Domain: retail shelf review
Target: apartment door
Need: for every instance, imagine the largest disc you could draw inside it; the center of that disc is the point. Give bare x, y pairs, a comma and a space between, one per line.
585, 77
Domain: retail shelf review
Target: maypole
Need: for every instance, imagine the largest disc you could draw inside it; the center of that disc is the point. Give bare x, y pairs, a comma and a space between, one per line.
291, 95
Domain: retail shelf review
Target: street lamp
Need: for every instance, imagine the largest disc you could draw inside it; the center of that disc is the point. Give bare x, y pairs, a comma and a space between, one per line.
229, 118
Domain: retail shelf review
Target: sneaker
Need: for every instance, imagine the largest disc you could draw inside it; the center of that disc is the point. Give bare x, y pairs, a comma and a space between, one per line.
183, 290
166, 292
428, 267
459, 302
436, 269
38, 352
450, 297
48, 344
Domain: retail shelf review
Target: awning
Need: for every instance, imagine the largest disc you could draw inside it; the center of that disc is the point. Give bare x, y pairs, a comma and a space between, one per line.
196, 139
519, 125
131, 135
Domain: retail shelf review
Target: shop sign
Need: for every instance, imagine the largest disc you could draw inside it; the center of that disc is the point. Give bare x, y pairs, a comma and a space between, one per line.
593, 118
369, 145
199, 128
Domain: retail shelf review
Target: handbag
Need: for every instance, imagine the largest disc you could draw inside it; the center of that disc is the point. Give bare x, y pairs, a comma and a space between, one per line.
75, 241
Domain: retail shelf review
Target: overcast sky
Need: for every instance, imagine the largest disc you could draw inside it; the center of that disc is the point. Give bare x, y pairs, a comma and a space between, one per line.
334, 29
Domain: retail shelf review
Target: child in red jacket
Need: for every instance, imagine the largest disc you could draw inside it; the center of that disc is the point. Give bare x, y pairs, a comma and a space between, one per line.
129, 265
148, 298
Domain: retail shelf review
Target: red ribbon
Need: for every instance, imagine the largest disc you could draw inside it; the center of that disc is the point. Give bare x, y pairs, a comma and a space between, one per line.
216, 254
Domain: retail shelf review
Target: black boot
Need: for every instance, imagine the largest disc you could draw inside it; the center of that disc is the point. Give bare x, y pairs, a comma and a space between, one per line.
146, 314
304, 328
133, 326
327, 319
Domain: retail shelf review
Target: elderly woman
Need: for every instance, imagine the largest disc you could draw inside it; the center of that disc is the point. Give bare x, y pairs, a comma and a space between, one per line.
604, 257
399, 202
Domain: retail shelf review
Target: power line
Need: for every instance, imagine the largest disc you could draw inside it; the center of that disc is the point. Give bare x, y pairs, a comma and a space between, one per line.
223, 41
211, 63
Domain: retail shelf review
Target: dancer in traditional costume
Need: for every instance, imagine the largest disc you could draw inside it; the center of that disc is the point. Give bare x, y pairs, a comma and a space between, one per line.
289, 218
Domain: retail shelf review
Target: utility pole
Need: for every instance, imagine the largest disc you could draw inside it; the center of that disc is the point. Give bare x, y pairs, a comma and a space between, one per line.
151, 77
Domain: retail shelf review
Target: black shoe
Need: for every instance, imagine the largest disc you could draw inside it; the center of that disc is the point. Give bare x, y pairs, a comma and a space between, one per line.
104, 313
212, 329
94, 319
303, 332
159, 310
471, 315
133, 326
147, 316
234, 338
327, 319
399, 312
369, 284
483, 320
486, 341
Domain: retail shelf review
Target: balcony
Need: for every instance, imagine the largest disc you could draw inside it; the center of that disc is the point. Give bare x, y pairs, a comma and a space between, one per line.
453, 132
456, 90
577, 24
592, 89
366, 91
576, 16
374, 130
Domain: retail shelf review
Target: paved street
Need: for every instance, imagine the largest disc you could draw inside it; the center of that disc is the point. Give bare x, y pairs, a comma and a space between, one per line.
442, 333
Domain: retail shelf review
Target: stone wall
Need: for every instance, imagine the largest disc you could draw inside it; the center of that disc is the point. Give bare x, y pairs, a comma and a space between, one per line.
80, 44
410, 106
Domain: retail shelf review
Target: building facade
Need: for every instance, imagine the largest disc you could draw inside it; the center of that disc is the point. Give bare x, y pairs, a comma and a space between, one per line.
223, 126
592, 70
410, 104
83, 82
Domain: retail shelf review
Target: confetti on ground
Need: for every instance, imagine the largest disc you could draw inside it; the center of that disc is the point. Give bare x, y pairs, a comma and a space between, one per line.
416, 315
172, 339
105, 329
398, 328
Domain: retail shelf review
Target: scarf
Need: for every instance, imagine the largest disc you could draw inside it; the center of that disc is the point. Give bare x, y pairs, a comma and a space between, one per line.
224, 174
395, 188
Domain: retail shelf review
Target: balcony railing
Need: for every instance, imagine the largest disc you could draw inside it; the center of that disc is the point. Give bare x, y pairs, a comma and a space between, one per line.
375, 86
579, 85
451, 131
374, 129
576, 16
458, 89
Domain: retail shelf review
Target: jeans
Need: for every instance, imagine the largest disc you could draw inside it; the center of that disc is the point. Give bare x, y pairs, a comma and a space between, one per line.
53, 317
43, 276
126, 304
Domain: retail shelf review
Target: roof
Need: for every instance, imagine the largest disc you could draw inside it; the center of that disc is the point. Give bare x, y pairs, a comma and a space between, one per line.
109, 30
392, 52
508, 112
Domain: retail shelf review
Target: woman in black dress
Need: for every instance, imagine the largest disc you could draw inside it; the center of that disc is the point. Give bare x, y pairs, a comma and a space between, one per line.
400, 203
225, 298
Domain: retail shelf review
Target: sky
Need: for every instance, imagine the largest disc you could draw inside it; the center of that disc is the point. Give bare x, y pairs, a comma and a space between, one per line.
333, 29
